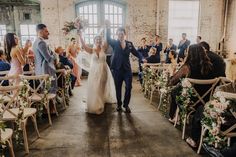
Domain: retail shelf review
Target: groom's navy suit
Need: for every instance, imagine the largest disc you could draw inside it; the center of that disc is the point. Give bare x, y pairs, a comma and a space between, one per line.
121, 68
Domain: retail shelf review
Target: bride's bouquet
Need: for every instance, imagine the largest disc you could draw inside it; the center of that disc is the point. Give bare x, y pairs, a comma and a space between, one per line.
78, 24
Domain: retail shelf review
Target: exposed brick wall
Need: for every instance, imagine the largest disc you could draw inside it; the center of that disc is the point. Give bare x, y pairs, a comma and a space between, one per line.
145, 18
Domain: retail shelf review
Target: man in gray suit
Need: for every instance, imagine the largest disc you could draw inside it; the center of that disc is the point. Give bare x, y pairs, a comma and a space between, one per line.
44, 58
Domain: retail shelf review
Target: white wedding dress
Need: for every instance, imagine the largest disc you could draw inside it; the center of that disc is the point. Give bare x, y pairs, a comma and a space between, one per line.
100, 85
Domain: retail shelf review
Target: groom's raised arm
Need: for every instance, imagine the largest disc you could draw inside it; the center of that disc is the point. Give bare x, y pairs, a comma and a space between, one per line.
110, 41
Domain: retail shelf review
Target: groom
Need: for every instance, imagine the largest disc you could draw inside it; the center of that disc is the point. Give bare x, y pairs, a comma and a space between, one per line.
120, 65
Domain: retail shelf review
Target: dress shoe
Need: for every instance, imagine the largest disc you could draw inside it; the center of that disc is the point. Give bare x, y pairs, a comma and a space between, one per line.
119, 109
212, 151
127, 110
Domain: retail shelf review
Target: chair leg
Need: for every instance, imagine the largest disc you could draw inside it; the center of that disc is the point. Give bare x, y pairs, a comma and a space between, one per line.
201, 139
151, 96
11, 147
176, 116
33, 117
160, 101
25, 138
64, 99
49, 115
228, 141
55, 106
184, 127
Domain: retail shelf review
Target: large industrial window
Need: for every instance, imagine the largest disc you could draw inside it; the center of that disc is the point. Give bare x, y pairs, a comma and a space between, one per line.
3, 32
183, 18
96, 12
28, 32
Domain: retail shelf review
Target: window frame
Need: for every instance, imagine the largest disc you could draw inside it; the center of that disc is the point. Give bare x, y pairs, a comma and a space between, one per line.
2, 34
101, 12
175, 17
29, 35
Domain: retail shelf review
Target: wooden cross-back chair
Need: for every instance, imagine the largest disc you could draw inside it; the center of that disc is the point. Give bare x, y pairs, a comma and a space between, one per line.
8, 80
200, 99
158, 70
10, 110
63, 89
229, 94
37, 93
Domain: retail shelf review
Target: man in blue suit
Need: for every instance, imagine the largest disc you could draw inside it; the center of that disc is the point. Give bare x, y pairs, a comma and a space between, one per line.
120, 65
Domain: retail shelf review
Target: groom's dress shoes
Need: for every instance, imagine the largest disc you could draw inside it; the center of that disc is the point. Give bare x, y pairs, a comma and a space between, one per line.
127, 110
119, 109
212, 151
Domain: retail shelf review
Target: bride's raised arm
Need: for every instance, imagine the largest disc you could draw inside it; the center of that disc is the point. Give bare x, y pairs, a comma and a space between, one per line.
87, 48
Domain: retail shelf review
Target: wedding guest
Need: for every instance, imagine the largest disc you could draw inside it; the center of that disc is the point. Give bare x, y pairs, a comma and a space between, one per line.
14, 55
72, 51
144, 48
4, 66
66, 62
44, 57
170, 46
226, 152
197, 66
158, 46
218, 62
173, 62
29, 56
152, 58
183, 45
198, 40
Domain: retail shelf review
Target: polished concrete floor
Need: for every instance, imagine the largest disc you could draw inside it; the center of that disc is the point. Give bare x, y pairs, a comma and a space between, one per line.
143, 133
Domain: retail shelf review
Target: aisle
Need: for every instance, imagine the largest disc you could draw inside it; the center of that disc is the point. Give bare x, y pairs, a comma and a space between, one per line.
144, 133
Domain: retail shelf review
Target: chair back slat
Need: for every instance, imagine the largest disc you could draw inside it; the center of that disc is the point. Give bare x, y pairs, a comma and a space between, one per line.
37, 84
212, 82
9, 96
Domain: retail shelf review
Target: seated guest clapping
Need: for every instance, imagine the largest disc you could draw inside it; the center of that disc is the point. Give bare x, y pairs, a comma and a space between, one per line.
65, 62
152, 56
197, 66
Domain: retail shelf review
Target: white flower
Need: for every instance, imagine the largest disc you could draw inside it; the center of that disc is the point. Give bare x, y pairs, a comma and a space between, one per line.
217, 94
163, 90
222, 99
186, 83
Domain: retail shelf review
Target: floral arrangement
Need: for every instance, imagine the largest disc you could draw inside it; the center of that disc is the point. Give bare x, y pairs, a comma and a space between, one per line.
77, 24
214, 113
185, 98
23, 102
148, 76
162, 80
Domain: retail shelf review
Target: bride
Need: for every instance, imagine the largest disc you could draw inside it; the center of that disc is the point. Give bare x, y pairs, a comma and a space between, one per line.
100, 86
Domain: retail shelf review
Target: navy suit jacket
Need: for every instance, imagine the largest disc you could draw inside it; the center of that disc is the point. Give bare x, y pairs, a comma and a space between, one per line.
121, 57
65, 61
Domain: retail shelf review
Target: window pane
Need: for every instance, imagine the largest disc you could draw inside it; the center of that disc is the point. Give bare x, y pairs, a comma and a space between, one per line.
32, 30
183, 18
120, 10
90, 8
24, 30
111, 9
106, 9
85, 9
